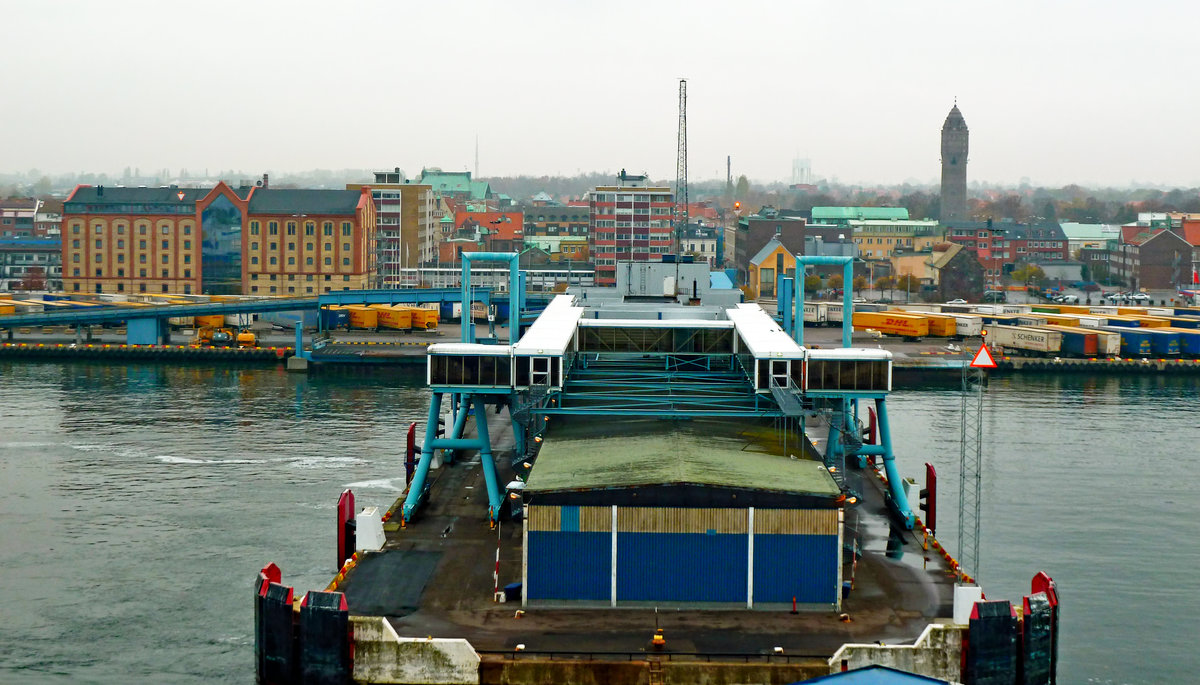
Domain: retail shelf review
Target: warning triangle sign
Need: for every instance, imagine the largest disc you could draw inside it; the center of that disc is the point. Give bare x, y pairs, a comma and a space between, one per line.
983, 359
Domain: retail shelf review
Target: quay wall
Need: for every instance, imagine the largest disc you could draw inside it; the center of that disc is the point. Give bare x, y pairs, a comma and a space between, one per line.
937, 653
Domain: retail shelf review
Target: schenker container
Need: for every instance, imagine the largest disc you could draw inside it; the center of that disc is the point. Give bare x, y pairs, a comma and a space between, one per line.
893, 323
1024, 338
967, 325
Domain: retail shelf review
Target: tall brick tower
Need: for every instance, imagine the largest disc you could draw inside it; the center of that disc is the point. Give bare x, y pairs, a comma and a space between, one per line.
954, 167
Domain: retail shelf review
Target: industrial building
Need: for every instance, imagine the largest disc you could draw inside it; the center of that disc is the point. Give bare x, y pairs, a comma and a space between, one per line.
700, 511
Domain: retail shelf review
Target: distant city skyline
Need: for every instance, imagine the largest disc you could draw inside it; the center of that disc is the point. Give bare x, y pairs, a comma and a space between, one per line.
1057, 93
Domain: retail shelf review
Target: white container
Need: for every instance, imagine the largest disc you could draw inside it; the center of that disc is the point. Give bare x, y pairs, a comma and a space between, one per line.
368, 530
965, 597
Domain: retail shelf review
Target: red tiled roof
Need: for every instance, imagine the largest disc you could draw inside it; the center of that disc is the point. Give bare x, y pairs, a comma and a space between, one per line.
1191, 232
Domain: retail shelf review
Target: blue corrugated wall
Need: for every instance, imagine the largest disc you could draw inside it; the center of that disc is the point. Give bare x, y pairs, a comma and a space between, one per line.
569, 565
804, 566
681, 567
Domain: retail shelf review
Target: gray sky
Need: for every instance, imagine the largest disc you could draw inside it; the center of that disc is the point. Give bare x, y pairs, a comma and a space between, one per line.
1091, 92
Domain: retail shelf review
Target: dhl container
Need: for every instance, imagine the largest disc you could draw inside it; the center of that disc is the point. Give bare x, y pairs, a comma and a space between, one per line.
940, 325
893, 323
363, 317
1189, 340
213, 320
395, 318
424, 319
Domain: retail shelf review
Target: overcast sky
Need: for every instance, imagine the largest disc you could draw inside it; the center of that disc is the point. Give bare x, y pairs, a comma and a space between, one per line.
1089, 92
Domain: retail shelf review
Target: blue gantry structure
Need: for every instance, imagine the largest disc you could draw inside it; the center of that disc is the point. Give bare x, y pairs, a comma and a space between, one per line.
149, 325
724, 361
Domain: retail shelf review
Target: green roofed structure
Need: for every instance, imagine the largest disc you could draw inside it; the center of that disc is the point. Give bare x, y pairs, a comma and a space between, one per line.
841, 216
705, 454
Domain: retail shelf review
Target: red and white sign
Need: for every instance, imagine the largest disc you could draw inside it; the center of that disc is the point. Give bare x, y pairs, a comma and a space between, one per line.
983, 359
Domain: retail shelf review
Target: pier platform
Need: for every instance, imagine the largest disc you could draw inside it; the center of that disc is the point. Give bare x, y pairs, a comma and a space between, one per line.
435, 579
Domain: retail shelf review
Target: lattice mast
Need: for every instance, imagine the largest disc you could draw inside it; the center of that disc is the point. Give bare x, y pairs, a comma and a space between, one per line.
681, 184
970, 472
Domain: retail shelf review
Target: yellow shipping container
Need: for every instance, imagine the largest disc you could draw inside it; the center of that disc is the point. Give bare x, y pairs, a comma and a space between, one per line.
941, 325
363, 317
395, 318
424, 319
1152, 322
893, 323
8, 309
214, 320
1073, 309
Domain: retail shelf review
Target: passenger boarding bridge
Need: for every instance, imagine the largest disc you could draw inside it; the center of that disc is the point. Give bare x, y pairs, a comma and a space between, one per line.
703, 361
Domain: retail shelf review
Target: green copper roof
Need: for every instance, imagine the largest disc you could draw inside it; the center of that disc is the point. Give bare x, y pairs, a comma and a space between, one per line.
615, 454
819, 213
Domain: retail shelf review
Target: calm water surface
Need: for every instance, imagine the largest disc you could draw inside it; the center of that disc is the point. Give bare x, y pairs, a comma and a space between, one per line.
137, 503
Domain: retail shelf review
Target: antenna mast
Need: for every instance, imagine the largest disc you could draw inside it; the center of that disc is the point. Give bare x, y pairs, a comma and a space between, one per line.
681, 184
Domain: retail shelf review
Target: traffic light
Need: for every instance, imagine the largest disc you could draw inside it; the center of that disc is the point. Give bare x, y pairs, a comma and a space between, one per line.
737, 206
929, 498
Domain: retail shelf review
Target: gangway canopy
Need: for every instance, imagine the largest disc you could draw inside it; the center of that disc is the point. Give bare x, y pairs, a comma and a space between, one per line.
469, 366
651, 336
767, 353
848, 371
541, 356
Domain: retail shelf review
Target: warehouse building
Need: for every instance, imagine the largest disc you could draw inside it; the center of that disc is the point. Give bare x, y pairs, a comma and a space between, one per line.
708, 512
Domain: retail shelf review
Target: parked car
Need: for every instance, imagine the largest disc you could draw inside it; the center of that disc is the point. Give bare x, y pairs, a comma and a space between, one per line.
995, 296
1067, 299
957, 301
1139, 297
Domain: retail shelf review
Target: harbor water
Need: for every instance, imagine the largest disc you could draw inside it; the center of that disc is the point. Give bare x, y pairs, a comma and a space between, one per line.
138, 502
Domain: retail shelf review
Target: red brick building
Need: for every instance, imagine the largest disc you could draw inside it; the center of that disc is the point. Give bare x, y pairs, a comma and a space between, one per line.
630, 221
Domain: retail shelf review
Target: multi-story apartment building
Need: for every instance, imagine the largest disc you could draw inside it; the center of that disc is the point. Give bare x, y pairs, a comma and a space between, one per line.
1000, 246
47, 223
17, 217
629, 221
130, 240
30, 264
405, 234
220, 240
304, 242
560, 230
877, 239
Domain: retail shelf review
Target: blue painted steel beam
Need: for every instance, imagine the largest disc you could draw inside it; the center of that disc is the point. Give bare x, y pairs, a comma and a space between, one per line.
785, 303
897, 497
495, 496
117, 314
514, 285
847, 264
416, 489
